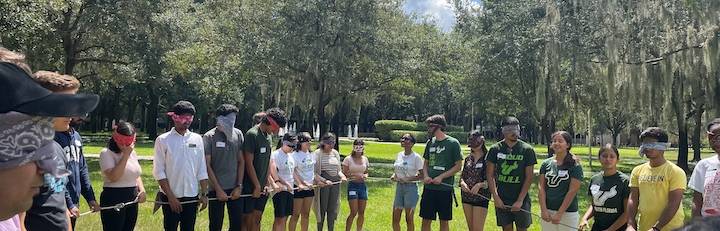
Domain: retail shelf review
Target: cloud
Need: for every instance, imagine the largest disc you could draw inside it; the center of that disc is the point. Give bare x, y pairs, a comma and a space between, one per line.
439, 11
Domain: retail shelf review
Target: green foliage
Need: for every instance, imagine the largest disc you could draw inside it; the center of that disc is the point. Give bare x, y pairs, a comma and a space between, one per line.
386, 129
383, 128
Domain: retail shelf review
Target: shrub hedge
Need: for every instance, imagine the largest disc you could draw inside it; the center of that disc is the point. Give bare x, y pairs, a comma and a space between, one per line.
383, 128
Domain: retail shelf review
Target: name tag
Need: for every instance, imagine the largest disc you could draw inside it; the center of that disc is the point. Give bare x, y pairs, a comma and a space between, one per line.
432, 149
220, 144
352, 193
479, 165
333, 161
501, 156
78, 143
563, 173
191, 145
439, 168
263, 150
594, 188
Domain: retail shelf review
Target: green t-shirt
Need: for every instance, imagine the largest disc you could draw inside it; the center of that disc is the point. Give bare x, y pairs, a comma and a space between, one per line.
510, 164
557, 183
258, 144
441, 157
608, 198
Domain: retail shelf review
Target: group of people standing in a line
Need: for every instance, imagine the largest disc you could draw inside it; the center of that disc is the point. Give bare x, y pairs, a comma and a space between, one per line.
41, 154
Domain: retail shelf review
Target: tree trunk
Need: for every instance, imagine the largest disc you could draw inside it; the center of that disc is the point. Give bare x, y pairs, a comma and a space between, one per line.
152, 117
676, 101
696, 137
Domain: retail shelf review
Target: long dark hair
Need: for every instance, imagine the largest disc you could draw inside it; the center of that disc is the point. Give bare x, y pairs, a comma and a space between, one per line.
124, 128
474, 134
569, 160
609, 148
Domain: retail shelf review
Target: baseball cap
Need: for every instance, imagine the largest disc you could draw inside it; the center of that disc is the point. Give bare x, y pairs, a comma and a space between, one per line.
20, 93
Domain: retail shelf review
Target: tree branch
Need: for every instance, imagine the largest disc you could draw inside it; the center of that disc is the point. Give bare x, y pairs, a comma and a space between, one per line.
99, 60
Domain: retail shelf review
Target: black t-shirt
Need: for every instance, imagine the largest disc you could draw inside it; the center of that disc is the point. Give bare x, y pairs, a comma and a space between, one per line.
608, 195
48, 211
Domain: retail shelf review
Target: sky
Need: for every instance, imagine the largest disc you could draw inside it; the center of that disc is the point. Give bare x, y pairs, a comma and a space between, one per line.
440, 11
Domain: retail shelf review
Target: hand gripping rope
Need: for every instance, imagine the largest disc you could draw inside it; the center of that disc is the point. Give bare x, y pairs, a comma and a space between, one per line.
509, 207
120, 206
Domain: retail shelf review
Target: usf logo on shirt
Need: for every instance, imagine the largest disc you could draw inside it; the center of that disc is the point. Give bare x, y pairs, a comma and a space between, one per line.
509, 164
600, 197
554, 179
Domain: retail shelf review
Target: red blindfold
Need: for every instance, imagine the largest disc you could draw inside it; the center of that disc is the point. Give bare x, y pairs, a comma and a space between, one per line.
123, 140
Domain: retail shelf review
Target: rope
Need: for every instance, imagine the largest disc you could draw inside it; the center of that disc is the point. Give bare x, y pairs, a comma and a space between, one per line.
120, 206
509, 207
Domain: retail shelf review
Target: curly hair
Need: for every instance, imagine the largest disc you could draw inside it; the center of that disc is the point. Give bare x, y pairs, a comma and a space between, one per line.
277, 114
56, 82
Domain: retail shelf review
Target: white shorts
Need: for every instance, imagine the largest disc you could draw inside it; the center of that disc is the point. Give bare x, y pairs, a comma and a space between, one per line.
569, 218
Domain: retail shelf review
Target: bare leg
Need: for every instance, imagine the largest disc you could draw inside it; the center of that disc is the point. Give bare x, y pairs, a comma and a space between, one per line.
426, 225
297, 209
353, 212
410, 219
397, 212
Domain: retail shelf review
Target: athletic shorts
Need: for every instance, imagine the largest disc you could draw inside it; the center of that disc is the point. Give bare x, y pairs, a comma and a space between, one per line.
254, 204
357, 191
303, 193
436, 203
406, 196
520, 218
283, 204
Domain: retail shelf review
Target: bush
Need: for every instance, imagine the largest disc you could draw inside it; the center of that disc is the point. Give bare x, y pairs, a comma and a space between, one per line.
383, 128
420, 137
449, 128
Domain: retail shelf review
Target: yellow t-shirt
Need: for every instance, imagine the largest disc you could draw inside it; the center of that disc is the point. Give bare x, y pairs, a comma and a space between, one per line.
655, 185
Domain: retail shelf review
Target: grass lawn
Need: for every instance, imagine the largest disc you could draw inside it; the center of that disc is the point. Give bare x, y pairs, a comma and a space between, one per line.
378, 214
385, 152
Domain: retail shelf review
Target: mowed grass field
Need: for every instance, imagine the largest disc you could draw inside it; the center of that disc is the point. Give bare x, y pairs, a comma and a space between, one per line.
381, 190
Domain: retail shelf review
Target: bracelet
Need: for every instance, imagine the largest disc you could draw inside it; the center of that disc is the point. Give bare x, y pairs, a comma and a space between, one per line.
655, 228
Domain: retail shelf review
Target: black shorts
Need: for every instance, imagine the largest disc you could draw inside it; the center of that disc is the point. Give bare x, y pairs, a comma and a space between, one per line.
254, 204
436, 202
283, 203
480, 203
304, 193
521, 219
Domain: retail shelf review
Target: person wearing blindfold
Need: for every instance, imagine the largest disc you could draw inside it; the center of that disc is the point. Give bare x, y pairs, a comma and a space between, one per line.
328, 173
407, 170
705, 179
303, 196
30, 160
356, 167
473, 183
121, 179
284, 177
442, 160
656, 187
226, 168
510, 164
256, 152
180, 169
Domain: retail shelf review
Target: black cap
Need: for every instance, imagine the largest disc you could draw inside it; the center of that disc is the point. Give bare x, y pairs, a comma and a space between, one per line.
20, 93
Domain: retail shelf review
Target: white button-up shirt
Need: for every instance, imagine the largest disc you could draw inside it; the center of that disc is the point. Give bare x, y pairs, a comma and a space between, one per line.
181, 160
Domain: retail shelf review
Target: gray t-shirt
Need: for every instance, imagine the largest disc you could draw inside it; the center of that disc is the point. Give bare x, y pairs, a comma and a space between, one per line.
223, 153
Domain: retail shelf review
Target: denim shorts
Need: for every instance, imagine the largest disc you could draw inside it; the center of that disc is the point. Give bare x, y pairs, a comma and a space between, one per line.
406, 196
357, 191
